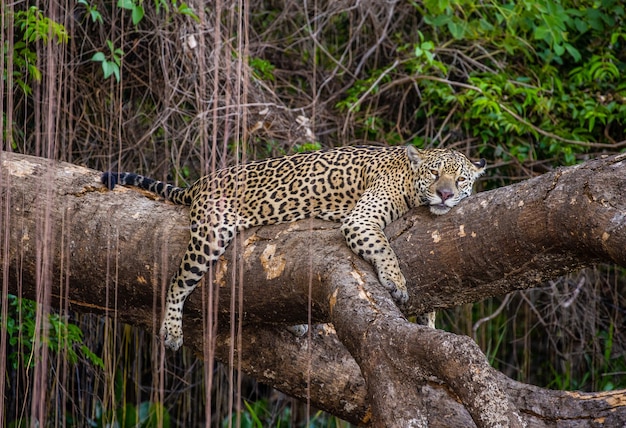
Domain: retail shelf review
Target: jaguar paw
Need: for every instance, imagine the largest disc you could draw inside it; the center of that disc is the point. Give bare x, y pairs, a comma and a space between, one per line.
396, 288
171, 335
401, 296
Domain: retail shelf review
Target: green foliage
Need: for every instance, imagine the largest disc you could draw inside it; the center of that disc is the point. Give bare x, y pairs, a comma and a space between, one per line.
260, 414
515, 26
127, 415
544, 353
136, 8
137, 11
363, 88
542, 96
424, 60
307, 147
92, 11
546, 82
35, 26
112, 62
146, 414
185, 9
181, 8
31, 26
613, 365
59, 335
262, 69
606, 375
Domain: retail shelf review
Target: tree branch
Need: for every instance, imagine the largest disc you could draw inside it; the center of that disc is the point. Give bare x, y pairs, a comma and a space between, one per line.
113, 253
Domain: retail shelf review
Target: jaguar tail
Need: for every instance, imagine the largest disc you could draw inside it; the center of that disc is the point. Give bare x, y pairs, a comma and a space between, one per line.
177, 195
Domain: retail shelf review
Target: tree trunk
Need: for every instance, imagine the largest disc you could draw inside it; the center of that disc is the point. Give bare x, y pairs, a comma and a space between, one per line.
114, 252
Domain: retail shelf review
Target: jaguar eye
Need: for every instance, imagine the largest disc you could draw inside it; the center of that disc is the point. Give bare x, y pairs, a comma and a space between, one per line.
461, 179
434, 172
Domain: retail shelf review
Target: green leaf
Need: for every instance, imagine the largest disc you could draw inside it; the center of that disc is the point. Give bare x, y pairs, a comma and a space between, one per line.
541, 33
559, 49
485, 25
126, 4
186, 10
253, 414
575, 54
456, 29
116, 73
107, 68
436, 7
98, 57
96, 17
137, 14
437, 21
581, 25
594, 19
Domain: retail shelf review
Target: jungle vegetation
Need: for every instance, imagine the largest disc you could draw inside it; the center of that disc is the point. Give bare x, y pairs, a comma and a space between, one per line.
173, 89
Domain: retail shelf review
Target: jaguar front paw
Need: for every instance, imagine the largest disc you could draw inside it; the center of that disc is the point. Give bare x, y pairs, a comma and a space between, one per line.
400, 295
396, 286
171, 334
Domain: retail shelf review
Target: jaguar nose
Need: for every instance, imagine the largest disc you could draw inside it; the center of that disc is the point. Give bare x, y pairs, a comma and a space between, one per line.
445, 194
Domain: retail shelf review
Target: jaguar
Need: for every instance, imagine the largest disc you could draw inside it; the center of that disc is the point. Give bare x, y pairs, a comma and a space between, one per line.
362, 187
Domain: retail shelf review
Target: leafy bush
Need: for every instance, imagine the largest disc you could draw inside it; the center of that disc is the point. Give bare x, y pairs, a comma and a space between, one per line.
58, 334
527, 81
31, 26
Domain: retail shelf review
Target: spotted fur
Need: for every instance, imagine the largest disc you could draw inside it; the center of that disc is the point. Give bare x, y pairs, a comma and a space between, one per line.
364, 188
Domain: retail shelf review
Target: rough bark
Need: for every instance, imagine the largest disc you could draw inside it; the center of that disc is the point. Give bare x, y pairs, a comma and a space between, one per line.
113, 252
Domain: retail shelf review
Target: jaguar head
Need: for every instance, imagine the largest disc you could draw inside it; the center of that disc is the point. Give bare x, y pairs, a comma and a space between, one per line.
443, 177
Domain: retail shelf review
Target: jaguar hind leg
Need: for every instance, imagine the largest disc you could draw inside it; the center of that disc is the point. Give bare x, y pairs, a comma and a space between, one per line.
208, 242
183, 283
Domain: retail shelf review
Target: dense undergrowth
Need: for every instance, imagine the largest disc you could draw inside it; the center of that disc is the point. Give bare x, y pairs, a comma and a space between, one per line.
170, 90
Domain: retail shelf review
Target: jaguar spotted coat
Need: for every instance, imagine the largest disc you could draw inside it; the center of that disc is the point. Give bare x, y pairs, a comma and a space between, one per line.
365, 188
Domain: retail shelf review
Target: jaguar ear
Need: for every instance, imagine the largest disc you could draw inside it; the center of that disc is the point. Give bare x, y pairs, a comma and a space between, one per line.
480, 167
415, 156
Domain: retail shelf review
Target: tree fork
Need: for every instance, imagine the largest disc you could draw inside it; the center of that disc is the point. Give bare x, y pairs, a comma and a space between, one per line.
491, 244
393, 354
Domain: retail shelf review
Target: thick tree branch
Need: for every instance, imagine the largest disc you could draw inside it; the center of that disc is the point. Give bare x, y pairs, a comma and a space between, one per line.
382, 342
515, 237
110, 251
